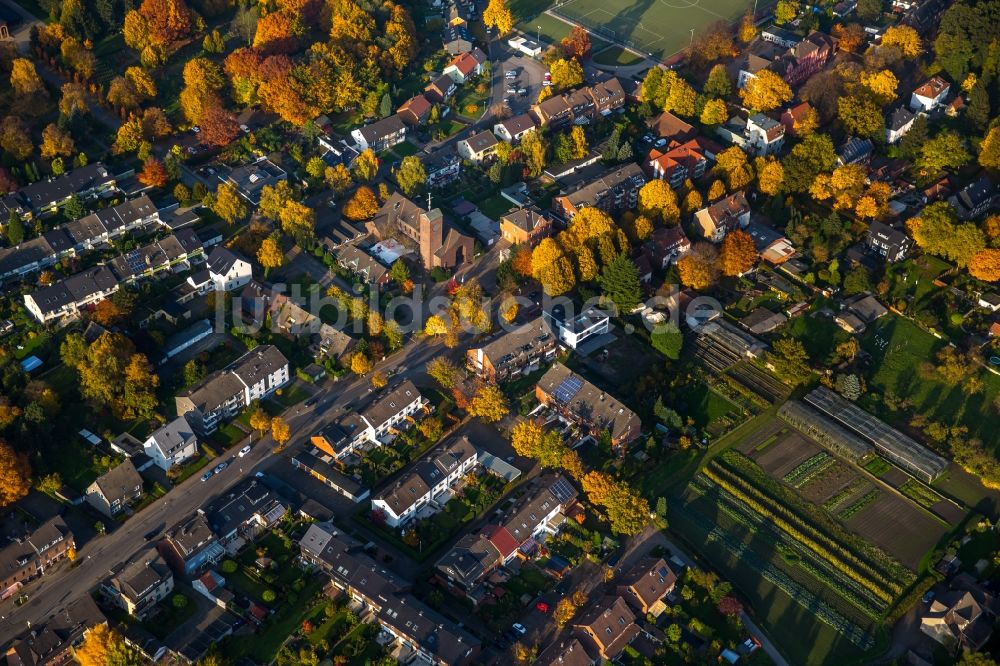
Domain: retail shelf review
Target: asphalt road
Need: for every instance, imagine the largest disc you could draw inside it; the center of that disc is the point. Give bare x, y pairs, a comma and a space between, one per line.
51, 592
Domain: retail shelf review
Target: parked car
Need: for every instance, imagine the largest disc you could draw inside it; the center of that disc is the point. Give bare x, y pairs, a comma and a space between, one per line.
511, 74
244, 129
928, 597
511, 91
221, 466
519, 628
207, 475
522, 92
245, 450
542, 607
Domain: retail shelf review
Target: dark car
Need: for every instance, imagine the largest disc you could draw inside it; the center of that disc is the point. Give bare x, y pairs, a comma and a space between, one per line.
153, 533
312, 401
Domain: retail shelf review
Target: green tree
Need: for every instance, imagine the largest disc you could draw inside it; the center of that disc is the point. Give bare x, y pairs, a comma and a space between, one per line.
790, 360
620, 282
860, 116
945, 151
15, 229
814, 155
718, 83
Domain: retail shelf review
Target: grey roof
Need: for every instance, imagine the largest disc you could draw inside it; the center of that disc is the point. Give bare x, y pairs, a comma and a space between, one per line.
216, 389
29, 543
627, 176
552, 491
522, 340
239, 506
330, 472
469, 560
383, 128
526, 219
481, 141
519, 123
360, 262
75, 289
764, 122
157, 255
119, 482
221, 260
173, 436
425, 474
589, 403
140, 577
900, 118
58, 188
391, 404
191, 536
46, 643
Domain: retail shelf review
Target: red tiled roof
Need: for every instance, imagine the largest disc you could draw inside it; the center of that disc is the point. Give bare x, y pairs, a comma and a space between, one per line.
501, 539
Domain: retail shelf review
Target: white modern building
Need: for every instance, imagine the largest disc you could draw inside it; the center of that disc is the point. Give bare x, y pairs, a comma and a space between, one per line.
172, 444
228, 271
572, 330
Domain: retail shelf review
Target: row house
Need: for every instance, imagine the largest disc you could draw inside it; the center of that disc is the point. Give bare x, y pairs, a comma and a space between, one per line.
68, 297
614, 191
191, 546
54, 642
246, 511
586, 405
565, 652
440, 245
170, 254
325, 469
511, 353
646, 584
31, 551
677, 162
428, 482
513, 129
140, 586
360, 263
86, 182
381, 134
581, 105
475, 556
223, 394
372, 423
975, 199
525, 226
725, 215
421, 634
77, 237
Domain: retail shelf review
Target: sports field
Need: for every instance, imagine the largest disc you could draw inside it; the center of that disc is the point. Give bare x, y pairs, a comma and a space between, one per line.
660, 28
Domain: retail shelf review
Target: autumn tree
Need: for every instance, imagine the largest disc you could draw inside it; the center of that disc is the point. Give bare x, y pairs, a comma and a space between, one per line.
24, 79
813, 155
765, 91
904, 37
658, 201
566, 74
714, 112
627, 511
15, 137
297, 220
153, 173
218, 126
576, 44
938, 231
985, 265
366, 166
270, 254
280, 431
489, 404
56, 142
882, 85
167, 21
203, 79
989, 150
860, 116
945, 151
551, 267
785, 11
15, 475
446, 373
103, 646
790, 360
738, 253
228, 203
747, 31
770, 175
362, 206
699, 268
498, 16
733, 165
138, 398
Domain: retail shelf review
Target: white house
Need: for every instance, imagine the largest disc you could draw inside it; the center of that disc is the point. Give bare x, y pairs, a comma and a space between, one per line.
528, 47
380, 134
765, 135
513, 129
478, 147
427, 482
574, 330
540, 513
466, 65
172, 444
372, 423
227, 270
67, 297
899, 124
930, 95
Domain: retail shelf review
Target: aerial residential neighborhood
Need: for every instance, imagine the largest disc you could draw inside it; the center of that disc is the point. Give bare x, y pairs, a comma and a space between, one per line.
491, 332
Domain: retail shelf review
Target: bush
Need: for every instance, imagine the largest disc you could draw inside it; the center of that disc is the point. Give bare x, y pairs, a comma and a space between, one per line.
179, 601
229, 566
268, 596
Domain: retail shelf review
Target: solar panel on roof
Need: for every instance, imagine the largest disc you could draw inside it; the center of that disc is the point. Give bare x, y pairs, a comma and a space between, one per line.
568, 389
133, 259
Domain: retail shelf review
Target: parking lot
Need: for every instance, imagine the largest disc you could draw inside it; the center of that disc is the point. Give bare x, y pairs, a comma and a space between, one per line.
530, 73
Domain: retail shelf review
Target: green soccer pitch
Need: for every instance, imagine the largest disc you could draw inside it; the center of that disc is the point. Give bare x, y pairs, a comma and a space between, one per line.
661, 28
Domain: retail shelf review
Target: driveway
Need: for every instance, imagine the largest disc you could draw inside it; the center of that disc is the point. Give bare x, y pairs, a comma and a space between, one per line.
22, 33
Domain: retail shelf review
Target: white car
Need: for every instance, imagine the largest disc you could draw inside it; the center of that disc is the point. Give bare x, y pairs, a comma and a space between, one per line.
195, 129
244, 129
245, 450
511, 74
511, 91
519, 628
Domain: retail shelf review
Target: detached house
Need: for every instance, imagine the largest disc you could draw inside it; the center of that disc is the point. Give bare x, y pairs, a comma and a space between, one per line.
171, 444
666, 245
794, 63
466, 65
415, 111
479, 147
899, 124
607, 628
765, 136
579, 401
427, 484
525, 226
646, 584
513, 129
975, 199
511, 353
227, 270
961, 619
930, 95
887, 242
728, 214
223, 394
575, 329
191, 546
380, 134
114, 490
243, 513
440, 89
678, 162
140, 585
793, 117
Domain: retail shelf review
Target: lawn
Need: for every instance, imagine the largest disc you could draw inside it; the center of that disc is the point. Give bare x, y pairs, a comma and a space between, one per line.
494, 207
818, 335
404, 149
706, 406
35, 8
898, 347
290, 396
264, 646
616, 55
